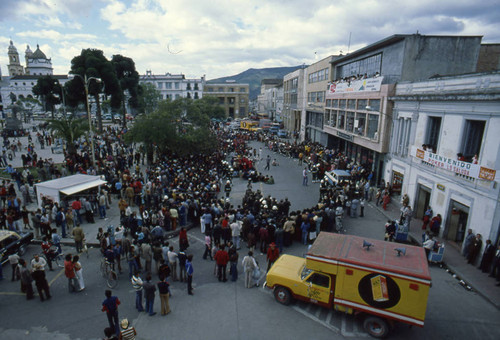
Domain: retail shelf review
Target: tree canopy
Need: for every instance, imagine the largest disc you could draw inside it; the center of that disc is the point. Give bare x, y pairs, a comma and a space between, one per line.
93, 63
48, 90
128, 78
70, 130
148, 98
181, 126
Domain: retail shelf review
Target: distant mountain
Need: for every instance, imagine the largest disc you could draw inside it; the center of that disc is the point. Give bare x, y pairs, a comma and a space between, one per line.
253, 77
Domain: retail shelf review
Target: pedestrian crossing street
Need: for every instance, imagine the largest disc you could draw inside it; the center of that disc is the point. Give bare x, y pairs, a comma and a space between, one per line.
340, 323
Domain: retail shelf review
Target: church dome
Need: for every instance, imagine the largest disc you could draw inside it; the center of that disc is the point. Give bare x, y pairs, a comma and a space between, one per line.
28, 50
38, 54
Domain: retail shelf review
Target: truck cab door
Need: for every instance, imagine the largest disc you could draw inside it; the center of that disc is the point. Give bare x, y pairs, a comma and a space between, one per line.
319, 287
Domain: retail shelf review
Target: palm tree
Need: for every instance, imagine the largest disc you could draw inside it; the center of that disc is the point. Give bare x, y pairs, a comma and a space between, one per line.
70, 130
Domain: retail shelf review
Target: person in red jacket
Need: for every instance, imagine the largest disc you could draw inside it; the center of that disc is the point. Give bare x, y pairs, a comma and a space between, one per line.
69, 271
221, 258
272, 255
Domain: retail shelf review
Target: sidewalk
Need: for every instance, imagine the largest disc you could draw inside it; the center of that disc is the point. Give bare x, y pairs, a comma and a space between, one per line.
453, 259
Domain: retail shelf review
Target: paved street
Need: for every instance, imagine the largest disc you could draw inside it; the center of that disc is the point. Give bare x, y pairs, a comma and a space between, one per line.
228, 310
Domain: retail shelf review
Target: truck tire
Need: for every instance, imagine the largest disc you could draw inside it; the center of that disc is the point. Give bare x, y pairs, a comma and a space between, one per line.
282, 295
376, 327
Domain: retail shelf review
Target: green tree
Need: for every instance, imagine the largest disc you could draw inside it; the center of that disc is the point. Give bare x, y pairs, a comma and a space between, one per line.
48, 90
69, 129
93, 63
181, 126
148, 98
27, 104
129, 81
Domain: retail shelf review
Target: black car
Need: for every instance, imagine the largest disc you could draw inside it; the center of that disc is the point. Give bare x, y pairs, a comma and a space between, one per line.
13, 243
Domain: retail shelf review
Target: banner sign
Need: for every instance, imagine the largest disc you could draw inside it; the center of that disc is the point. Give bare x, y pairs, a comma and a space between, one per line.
362, 85
454, 165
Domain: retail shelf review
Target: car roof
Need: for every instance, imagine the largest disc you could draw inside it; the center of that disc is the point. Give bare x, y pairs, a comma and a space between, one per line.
7, 233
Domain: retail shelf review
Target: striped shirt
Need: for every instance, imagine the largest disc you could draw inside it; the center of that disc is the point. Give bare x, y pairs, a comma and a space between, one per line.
128, 334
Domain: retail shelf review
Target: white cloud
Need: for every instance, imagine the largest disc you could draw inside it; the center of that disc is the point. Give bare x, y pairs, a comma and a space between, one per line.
223, 37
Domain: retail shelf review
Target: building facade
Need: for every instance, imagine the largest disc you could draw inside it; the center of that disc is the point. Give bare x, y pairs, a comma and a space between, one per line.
270, 99
175, 86
445, 151
232, 97
294, 100
317, 77
358, 110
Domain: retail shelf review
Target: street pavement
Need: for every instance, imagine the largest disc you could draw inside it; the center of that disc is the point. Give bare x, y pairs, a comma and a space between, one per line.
228, 310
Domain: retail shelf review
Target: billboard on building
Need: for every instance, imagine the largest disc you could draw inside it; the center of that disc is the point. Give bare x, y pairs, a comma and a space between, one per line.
362, 85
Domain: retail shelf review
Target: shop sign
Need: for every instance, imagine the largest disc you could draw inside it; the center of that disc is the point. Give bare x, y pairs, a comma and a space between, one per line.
440, 187
454, 165
344, 136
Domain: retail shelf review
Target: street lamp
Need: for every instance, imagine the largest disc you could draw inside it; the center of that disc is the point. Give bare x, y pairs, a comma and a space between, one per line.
86, 82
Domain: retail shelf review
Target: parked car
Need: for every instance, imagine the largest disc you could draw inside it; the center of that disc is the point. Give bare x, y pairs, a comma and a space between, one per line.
13, 243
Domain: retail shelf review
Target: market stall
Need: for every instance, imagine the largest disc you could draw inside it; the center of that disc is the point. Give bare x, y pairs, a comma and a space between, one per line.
69, 185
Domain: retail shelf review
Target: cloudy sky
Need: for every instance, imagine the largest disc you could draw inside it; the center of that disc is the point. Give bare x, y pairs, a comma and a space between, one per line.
224, 37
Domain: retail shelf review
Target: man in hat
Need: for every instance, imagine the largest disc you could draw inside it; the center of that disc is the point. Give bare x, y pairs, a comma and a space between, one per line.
272, 255
127, 332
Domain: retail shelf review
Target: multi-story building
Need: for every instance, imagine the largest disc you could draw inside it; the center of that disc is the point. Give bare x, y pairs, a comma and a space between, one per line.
445, 151
174, 86
232, 96
270, 99
358, 115
294, 100
317, 78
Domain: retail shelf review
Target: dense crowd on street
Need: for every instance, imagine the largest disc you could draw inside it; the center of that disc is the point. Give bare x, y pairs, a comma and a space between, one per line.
174, 193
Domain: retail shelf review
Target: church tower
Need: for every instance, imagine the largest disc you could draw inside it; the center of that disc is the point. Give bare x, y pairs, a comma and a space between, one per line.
15, 68
27, 54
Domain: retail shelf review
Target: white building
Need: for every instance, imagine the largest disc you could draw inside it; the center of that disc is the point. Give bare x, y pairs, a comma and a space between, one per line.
174, 86
436, 122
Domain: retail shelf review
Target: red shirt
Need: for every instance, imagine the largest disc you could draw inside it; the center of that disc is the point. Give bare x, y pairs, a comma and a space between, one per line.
69, 269
222, 257
272, 255
76, 205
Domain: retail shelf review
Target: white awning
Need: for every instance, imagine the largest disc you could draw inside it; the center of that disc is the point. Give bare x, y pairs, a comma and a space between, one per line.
81, 187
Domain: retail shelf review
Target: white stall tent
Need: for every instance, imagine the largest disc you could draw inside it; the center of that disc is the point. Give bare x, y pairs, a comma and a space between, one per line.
68, 185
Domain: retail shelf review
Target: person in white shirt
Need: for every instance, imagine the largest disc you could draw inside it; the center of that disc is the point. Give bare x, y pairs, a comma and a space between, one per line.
429, 245
236, 232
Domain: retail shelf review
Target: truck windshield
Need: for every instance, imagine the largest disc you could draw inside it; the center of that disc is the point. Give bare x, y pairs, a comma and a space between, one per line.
305, 273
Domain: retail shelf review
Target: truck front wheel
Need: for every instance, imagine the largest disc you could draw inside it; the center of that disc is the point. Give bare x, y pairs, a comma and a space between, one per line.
282, 295
376, 327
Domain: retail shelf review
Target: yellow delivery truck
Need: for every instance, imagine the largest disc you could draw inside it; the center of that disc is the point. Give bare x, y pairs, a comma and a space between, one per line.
381, 281
250, 125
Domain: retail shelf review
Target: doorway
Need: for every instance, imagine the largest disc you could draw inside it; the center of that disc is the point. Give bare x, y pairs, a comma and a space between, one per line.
422, 201
458, 215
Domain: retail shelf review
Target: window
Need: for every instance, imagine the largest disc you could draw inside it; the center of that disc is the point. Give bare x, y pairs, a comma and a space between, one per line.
188, 95
231, 89
210, 89
375, 104
433, 131
351, 104
319, 280
231, 100
168, 86
341, 119
373, 126
196, 88
188, 87
220, 89
243, 90
221, 100
360, 123
176, 85
369, 65
333, 118
242, 111
242, 100
196, 95
473, 138
328, 103
342, 103
350, 121
160, 85
177, 96
362, 104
